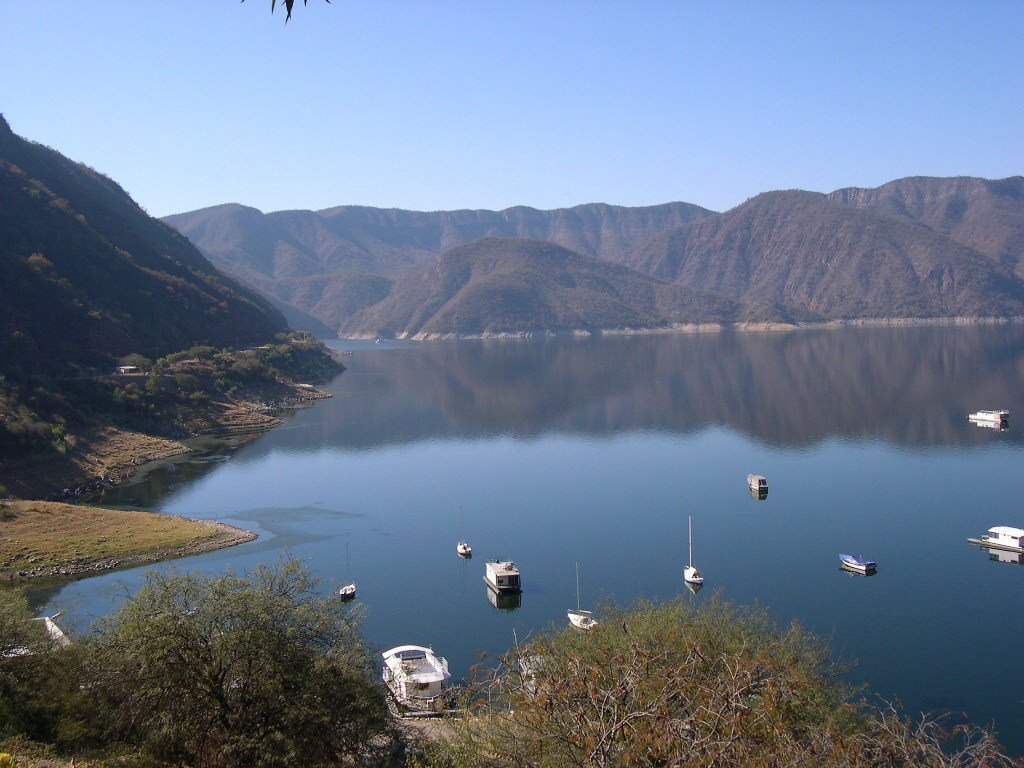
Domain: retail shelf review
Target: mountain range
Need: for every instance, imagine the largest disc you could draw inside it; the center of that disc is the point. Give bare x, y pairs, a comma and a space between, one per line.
88, 276
914, 248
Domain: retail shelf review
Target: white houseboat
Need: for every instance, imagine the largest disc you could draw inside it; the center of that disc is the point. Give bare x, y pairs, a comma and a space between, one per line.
502, 576
990, 417
1002, 537
417, 678
758, 483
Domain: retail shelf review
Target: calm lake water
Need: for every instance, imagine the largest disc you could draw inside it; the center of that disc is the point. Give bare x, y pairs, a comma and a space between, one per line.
597, 450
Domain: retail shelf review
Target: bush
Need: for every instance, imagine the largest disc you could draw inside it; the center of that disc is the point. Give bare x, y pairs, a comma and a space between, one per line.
673, 686
234, 671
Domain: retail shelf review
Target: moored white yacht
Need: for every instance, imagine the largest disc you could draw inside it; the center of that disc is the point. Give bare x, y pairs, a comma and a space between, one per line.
463, 547
690, 574
417, 678
348, 591
579, 618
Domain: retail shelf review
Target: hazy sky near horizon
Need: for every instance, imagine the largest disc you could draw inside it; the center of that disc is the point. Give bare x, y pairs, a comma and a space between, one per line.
474, 104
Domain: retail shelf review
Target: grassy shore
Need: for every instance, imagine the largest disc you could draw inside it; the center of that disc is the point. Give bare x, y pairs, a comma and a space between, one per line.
42, 538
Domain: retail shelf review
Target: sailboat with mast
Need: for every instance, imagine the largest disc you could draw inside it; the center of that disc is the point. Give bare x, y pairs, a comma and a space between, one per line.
691, 575
463, 547
579, 618
348, 592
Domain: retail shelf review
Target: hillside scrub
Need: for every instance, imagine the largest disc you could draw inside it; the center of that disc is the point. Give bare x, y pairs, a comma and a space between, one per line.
673, 685
43, 413
223, 672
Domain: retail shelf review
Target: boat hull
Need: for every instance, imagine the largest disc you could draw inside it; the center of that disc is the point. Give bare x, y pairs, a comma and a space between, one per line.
995, 545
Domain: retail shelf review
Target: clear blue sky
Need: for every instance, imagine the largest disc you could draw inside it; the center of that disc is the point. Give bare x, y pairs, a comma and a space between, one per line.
487, 104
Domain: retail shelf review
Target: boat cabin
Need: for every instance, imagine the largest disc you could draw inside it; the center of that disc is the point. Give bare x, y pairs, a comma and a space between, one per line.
1006, 536
758, 483
417, 678
502, 576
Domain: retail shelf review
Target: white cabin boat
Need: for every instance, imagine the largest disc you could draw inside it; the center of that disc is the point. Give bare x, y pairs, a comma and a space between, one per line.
502, 576
1002, 537
758, 483
417, 678
996, 417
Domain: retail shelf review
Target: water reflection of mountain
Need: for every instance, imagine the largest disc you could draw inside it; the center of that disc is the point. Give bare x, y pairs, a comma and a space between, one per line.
908, 385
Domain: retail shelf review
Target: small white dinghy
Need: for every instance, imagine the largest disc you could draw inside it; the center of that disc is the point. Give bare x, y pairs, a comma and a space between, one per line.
857, 564
690, 574
463, 547
579, 618
348, 591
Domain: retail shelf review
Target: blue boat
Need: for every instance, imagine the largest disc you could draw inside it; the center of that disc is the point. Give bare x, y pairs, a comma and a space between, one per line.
857, 563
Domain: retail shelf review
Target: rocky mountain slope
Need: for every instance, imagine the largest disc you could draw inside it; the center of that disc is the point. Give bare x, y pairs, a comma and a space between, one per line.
807, 254
88, 276
913, 248
983, 214
514, 285
322, 268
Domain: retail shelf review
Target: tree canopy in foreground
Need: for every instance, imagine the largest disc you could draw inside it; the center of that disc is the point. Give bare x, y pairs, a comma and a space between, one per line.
671, 685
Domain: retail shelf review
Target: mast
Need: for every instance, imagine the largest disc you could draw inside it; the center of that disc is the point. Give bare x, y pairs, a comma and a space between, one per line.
577, 586
462, 525
348, 559
691, 540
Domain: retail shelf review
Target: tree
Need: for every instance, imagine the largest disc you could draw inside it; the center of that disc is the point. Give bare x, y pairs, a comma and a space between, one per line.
672, 686
235, 671
288, 5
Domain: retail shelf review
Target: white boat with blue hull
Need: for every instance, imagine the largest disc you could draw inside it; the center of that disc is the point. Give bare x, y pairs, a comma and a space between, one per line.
857, 563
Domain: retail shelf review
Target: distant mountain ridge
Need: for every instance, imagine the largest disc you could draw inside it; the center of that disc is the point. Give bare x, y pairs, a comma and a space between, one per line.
517, 285
330, 265
88, 276
914, 248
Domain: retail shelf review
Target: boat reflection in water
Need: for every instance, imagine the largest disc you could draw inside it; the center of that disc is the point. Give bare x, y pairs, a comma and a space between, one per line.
1002, 556
695, 588
759, 494
504, 601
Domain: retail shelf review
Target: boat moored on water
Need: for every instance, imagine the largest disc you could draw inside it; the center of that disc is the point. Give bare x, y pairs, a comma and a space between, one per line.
858, 564
416, 677
758, 484
579, 618
1002, 537
691, 575
990, 418
502, 576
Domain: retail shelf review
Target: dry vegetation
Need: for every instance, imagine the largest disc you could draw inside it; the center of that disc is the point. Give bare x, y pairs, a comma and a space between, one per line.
46, 538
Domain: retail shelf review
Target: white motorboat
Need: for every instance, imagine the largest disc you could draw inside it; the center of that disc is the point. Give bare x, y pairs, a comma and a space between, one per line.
502, 576
857, 563
990, 417
463, 547
348, 591
417, 678
690, 574
758, 483
1002, 537
579, 618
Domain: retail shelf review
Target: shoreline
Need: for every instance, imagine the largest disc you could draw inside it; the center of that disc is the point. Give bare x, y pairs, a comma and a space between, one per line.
225, 536
689, 328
